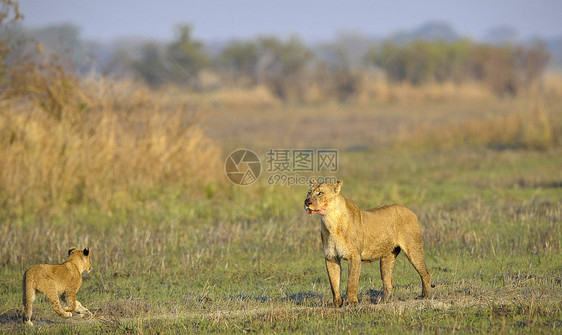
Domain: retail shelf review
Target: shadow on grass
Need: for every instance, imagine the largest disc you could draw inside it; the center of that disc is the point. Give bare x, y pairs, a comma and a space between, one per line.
10, 316
11, 322
123, 308
309, 299
313, 299
244, 297
374, 296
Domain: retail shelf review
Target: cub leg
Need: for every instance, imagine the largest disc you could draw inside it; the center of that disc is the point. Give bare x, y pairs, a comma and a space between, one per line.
78, 309
28, 299
81, 309
353, 281
55, 303
70, 297
334, 274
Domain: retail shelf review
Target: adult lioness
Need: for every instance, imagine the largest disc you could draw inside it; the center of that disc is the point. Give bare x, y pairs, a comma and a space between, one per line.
364, 236
54, 280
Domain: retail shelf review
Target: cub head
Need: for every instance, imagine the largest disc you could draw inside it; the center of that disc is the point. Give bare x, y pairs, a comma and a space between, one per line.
81, 258
320, 196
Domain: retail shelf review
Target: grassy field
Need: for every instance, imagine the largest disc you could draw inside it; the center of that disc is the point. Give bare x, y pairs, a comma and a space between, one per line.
176, 251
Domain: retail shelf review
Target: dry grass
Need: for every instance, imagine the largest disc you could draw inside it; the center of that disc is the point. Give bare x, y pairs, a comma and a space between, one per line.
379, 90
64, 140
535, 123
231, 97
237, 259
436, 116
535, 128
494, 265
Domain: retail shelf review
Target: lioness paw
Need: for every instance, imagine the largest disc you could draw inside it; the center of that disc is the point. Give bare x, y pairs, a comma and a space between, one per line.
351, 302
337, 303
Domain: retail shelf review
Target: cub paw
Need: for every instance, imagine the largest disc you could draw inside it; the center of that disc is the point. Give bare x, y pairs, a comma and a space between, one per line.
85, 312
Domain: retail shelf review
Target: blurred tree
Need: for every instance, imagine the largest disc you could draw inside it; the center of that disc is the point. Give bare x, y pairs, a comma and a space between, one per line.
282, 66
239, 60
380, 55
9, 15
345, 63
152, 65
119, 64
64, 42
495, 67
505, 69
532, 62
182, 58
188, 54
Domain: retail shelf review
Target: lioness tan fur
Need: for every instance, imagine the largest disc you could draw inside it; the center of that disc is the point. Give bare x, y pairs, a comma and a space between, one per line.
364, 236
55, 280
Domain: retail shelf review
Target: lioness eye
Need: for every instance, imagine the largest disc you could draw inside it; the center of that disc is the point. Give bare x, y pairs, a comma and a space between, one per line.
320, 193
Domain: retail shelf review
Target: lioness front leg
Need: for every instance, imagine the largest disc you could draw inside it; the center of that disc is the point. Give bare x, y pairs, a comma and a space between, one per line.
334, 273
353, 281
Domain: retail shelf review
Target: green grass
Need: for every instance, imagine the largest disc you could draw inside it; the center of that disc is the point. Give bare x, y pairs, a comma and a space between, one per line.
237, 260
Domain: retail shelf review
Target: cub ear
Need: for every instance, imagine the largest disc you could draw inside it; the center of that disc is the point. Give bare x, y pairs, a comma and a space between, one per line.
312, 181
337, 187
86, 251
71, 250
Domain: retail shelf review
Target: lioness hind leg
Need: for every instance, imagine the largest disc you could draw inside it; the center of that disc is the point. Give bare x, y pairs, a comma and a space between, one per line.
387, 267
415, 255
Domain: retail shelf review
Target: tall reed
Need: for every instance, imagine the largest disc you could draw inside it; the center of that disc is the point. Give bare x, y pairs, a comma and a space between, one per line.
65, 139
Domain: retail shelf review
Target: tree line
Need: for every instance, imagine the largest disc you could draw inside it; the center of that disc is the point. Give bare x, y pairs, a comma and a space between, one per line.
505, 69
289, 67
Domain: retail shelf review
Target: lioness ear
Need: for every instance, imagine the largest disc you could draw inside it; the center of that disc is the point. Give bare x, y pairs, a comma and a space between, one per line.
71, 250
312, 181
338, 186
86, 251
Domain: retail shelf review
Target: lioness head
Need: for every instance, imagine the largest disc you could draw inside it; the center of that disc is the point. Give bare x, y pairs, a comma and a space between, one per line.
81, 258
320, 196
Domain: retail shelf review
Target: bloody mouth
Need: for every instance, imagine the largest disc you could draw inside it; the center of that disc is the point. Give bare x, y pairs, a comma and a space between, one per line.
311, 211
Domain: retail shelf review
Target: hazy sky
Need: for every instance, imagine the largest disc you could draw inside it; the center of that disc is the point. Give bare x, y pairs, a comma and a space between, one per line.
312, 20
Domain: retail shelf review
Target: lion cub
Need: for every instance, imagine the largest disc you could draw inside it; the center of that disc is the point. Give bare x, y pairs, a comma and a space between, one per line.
364, 236
55, 280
